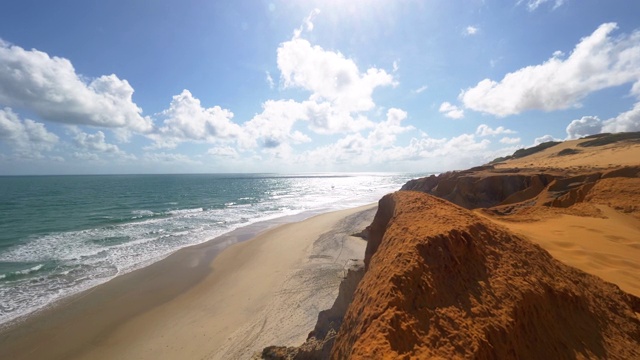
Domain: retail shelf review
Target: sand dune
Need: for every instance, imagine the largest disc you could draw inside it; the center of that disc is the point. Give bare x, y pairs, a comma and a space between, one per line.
606, 247
619, 153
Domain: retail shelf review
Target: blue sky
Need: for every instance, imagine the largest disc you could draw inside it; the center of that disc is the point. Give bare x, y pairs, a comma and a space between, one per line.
95, 87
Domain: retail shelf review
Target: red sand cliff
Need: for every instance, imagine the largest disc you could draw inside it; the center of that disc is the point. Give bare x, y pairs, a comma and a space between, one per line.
443, 282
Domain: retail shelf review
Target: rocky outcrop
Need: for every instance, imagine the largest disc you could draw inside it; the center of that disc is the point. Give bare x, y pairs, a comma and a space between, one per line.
442, 282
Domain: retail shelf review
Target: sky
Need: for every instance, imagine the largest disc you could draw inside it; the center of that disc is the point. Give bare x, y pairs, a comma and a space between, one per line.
161, 86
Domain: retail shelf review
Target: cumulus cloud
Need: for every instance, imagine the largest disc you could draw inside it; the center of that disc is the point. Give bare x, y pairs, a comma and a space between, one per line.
329, 76
92, 146
624, 122
587, 125
462, 150
356, 151
327, 119
486, 130
95, 142
50, 87
544, 139
627, 121
509, 140
451, 111
385, 133
597, 62
187, 120
28, 138
273, 127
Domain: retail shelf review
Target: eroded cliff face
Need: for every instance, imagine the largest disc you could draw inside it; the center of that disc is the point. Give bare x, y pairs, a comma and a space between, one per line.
443, 282
507, 191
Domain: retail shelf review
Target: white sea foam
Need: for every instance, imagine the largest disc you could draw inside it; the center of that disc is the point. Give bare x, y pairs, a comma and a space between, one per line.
87, 257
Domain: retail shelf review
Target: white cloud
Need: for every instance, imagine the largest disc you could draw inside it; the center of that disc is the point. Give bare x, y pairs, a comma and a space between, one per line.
624, 122
274, 126
355, 151
50, 87
544, 139
307, 23
627, 121
86, 156
451, 111
269, 80
28, 138
471, 30
462, 150
485, 130
95, 142
223, 151
420, 89
597, 62
329, 76
163, 157
534, 4
187, 120
509, 140
587, 125
327, 119
395, 66
384, 134
92, 145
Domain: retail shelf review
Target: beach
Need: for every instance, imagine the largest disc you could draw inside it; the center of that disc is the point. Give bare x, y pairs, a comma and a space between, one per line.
203, 303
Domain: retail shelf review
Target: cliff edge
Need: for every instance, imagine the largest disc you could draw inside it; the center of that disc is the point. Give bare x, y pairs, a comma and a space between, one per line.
442, 282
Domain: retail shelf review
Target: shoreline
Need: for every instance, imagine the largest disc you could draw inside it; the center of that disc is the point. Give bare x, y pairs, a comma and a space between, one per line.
219, 242
142, 313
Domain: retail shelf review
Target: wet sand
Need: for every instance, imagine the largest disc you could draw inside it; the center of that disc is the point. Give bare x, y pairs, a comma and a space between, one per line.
203, 303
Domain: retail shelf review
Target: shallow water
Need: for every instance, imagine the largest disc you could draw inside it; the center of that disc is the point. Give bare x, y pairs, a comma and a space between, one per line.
62, 234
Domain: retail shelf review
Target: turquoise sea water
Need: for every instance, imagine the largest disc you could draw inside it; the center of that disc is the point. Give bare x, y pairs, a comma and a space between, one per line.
63, 234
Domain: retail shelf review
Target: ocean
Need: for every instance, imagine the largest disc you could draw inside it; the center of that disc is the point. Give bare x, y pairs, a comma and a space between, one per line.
60, 235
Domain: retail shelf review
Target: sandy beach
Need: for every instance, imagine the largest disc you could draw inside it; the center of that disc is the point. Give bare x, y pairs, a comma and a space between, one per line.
200, 303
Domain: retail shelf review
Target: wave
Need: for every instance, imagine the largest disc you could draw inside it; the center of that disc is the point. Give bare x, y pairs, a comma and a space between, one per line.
131, 239
13, 275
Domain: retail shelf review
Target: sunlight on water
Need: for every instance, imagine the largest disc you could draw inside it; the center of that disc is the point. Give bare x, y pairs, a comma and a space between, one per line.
60, 235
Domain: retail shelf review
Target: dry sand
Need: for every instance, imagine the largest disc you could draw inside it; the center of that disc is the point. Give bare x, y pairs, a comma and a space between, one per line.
607, 247
196, 305
622, 153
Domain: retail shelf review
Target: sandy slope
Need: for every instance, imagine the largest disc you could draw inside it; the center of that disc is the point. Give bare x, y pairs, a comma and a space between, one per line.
607, 247
188, 306
605, 244
611, 155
